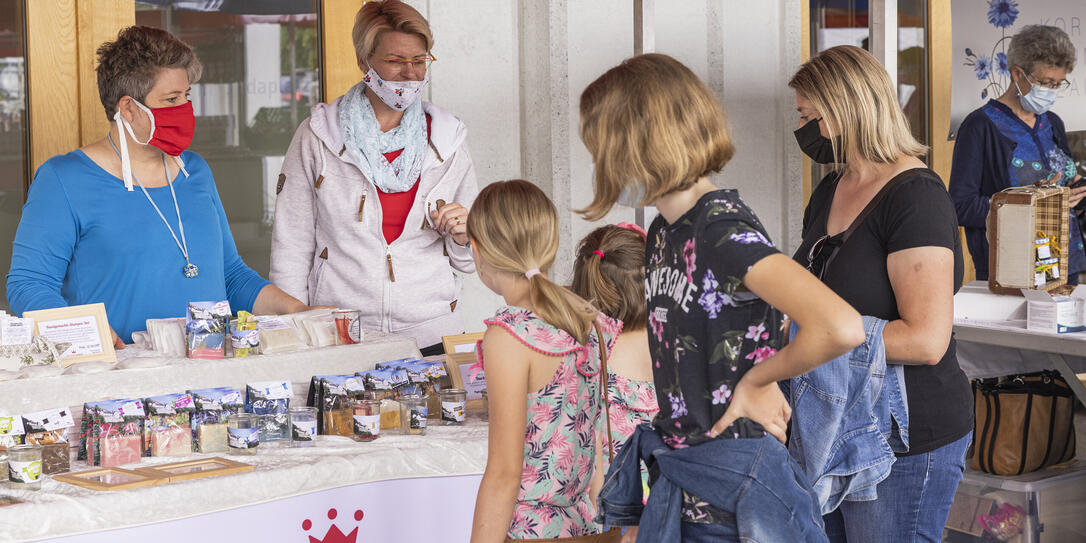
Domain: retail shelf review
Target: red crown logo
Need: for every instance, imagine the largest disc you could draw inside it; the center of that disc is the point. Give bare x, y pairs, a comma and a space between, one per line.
334, 535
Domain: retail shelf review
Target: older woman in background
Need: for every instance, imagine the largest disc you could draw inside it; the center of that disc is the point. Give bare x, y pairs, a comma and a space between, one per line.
373, 197
1015, 140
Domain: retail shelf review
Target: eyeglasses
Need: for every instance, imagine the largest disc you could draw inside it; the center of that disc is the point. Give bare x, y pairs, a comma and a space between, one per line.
814, 255
1051, 84
400, 64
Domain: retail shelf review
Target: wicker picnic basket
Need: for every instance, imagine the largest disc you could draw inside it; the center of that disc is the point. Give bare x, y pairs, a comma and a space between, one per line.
1017, 218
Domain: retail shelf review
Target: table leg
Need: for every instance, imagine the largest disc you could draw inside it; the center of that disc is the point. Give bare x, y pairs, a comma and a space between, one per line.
1068, 375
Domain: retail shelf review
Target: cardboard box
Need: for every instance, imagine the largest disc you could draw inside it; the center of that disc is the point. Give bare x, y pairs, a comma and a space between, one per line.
1059, 314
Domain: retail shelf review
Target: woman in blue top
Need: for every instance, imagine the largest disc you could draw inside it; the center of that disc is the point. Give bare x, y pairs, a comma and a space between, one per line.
1015, 140
133, 220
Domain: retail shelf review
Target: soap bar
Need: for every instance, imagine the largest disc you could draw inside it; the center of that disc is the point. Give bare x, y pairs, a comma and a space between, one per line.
171, 441
56, 458
118, 450
339, 422
212, 437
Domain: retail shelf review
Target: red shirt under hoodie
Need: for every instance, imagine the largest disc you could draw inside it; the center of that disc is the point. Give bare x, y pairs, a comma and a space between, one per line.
396, 205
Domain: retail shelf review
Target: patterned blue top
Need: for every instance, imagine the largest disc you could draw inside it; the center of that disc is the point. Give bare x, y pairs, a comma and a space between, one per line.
1037, 157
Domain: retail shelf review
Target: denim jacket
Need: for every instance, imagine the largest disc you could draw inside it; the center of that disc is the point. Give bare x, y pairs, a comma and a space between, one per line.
849, 417
755, 479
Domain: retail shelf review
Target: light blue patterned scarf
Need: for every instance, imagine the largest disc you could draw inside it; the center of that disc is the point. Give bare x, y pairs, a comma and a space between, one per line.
364, 139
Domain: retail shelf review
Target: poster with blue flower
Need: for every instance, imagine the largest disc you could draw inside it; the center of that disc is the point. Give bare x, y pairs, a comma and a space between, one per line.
982, 32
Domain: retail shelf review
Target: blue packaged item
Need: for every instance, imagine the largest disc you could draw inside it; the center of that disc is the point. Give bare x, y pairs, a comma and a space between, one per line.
271, 400
206, 326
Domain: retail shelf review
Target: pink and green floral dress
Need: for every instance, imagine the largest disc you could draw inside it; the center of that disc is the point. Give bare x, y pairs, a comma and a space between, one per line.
631, 402
564, 418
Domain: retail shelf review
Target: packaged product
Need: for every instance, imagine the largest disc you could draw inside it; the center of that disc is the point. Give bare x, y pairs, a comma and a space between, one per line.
425, 377
318, 326
49, 429
336, 394
271, 400
116, 432
168, 336
11, 431
384, 383
208, 421
278, 334
245, 338
168, 428
206, 324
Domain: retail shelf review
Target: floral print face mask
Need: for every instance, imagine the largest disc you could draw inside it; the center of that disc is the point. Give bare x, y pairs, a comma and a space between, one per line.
395, 94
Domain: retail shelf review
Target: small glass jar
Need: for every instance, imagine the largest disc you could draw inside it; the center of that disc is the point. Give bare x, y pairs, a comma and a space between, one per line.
454, 403
243, 433
367, 419
24, 466
413, 414
348, 331
303, 426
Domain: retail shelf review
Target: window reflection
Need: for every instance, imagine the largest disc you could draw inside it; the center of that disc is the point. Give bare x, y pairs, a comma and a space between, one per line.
13, 136
261, 77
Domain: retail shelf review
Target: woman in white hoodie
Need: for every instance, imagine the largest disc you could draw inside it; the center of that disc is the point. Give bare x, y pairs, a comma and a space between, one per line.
372, 204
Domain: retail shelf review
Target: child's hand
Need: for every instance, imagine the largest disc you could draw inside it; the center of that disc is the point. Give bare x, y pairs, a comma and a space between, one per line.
765, 405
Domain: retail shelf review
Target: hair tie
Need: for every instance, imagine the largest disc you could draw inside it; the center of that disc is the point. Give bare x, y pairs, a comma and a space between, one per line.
598, 253
532, 273
633, 228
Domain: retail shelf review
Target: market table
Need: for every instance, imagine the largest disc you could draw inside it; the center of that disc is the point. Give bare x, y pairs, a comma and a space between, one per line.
402, 488
993, 340
397, 488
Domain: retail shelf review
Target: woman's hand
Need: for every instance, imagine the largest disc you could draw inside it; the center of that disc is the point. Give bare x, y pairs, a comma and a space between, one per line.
117, 343
1078, 193
452, 220
764, 404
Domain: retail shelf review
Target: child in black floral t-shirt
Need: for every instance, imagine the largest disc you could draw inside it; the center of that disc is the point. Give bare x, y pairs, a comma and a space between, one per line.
712, 277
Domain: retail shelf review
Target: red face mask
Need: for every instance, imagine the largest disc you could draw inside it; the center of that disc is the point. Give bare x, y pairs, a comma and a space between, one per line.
172, 128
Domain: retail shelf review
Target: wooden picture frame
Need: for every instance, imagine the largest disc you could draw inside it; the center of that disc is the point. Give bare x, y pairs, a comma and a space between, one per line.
461, 343
195, 469
77, 323
110, 479
459, 368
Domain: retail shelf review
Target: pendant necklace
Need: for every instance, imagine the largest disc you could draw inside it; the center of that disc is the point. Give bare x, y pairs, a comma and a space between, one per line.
190, 270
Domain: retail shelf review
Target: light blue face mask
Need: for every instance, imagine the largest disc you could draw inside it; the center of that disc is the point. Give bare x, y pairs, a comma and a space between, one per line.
1039, 99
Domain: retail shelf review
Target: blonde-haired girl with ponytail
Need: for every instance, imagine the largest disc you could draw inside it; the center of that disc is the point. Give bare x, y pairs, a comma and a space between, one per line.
542, 358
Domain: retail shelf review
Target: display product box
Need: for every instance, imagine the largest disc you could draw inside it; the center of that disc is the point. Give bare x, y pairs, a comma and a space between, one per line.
1055, 313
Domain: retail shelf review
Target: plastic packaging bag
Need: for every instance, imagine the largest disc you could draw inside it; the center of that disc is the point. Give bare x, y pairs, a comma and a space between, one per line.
271, 400
336, 413
384, 383
208, 421
279, 335
49, 429
206, 324
168, 429
116, 432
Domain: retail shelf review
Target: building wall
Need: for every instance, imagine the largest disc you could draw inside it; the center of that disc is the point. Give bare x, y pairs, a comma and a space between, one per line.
514, 71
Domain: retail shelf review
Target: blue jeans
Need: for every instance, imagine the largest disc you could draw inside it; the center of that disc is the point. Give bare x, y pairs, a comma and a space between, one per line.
913, 501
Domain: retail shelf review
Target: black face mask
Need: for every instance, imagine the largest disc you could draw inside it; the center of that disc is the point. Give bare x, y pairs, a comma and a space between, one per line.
814, 144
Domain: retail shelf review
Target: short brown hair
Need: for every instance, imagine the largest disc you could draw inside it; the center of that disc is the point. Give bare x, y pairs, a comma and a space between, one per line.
852, 91
129, 65
379, 16
614, 278
651, 122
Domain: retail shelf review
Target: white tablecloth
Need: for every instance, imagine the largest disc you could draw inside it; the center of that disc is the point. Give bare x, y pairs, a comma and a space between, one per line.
60, 509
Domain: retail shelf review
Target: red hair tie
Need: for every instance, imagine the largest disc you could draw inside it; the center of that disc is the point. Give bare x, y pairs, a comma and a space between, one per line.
598, 253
